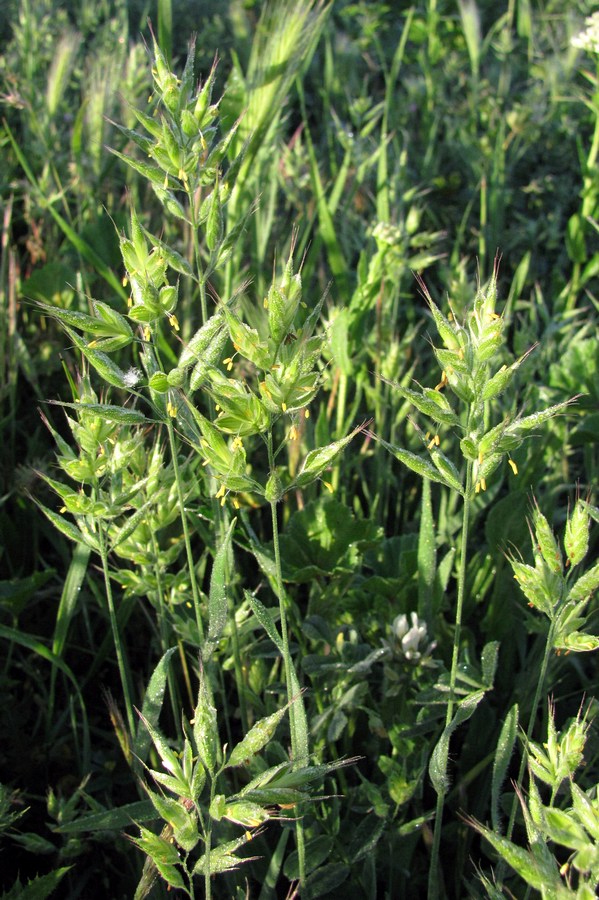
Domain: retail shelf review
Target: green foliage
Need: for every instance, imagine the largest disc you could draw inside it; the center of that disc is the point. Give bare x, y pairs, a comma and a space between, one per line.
220, 321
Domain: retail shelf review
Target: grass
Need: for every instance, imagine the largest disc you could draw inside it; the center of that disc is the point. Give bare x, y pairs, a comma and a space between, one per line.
306, 604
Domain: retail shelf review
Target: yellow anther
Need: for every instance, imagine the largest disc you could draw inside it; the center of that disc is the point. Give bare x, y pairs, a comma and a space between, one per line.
165, 181
221, 492
206, 462
483, 484
292, 433
266, 303
92, 344
63, 509
129, 302
147, 333
477, 491
174, 322
124, 281
216, 407
494, 315
480, 458
442, 383
306, 414
223, 501
513, 466
171, 409
328, 486
237, 444
228, 362
434, 442
450, 317
284, 407
182, 175
236, 347
236, 503
460, 353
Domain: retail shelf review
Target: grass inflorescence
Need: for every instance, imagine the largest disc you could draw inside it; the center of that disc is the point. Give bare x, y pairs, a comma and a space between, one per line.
299, 418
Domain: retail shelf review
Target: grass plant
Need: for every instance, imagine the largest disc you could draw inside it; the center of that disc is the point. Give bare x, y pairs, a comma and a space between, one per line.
247, 654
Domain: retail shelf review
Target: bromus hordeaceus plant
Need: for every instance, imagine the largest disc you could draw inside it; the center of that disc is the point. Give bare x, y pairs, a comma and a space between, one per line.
466, 360
553, 765
554, 588
235, 398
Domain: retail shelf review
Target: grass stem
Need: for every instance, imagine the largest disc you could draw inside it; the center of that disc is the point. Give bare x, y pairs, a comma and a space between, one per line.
297, 713
433, 884
195, 593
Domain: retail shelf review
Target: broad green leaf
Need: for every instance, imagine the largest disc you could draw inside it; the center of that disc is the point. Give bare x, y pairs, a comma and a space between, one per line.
323, 539
266, 619
37, 888
217, 598
325, 880
205, 729
440, 755
427, 555
317, 851
111, 819
503, 754
68, 599
152, 705
488, 661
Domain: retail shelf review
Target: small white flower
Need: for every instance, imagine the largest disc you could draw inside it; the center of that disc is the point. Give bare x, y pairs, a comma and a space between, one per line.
132, 377
409, 637
589, 38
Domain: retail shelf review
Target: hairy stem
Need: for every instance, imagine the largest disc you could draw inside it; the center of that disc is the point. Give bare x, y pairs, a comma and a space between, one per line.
501, 867
297, 712
433, 883
186, 536
116, 636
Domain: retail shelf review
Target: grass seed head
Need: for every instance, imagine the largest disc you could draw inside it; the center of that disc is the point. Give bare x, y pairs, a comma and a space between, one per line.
576, 538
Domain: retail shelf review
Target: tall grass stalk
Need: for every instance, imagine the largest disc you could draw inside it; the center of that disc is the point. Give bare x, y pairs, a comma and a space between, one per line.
195, 593
119, 646
471, 350
433, 884
297, 713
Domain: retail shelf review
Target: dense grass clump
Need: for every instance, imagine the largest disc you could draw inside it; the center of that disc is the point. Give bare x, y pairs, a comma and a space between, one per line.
300, 384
